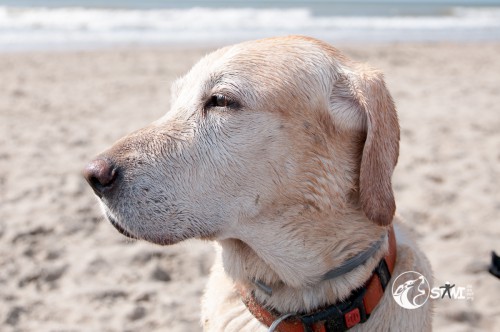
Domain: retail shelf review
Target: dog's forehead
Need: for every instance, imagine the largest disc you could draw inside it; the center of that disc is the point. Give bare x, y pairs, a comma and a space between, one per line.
274, 56
261, 68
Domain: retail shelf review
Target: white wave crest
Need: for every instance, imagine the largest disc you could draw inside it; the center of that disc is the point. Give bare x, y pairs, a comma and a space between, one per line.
45, 26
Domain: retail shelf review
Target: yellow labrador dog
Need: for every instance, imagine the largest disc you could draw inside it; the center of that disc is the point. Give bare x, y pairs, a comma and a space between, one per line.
281, 150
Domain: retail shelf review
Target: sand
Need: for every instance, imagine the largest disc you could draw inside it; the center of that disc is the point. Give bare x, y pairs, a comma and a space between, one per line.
63, 268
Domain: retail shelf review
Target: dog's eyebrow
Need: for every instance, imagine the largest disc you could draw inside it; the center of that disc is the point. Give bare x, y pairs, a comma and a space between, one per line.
217, 80
228, 84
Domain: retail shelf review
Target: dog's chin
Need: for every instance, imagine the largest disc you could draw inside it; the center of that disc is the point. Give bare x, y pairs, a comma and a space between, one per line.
120, 228
163, 241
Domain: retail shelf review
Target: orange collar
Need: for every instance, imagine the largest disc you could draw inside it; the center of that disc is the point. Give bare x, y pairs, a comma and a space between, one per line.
338, 317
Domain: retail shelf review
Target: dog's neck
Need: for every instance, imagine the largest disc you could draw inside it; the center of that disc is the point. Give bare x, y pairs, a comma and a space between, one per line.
295, 267
344, 268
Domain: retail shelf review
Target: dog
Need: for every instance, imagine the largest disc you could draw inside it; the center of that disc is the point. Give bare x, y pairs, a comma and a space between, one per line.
281, 151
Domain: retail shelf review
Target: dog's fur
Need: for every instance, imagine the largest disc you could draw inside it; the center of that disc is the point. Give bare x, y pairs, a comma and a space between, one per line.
291, 179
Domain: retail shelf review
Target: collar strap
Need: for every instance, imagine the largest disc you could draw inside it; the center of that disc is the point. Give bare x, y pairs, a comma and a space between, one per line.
340, 316
355, 261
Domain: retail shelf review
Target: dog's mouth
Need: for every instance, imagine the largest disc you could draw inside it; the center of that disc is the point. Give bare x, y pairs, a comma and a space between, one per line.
120, 229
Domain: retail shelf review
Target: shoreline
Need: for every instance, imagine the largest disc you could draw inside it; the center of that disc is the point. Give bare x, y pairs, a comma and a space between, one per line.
193, 47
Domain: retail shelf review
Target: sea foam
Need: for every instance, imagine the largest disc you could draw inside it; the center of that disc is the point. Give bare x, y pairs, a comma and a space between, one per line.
46, 27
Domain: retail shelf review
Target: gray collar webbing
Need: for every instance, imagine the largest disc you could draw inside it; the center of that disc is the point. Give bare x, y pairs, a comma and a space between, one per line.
344, 268
355, 261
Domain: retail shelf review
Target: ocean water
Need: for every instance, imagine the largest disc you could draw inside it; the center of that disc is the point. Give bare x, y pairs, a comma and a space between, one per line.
32, 24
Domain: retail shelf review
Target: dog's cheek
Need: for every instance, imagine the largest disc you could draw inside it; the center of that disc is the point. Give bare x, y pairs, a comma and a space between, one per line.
236, 158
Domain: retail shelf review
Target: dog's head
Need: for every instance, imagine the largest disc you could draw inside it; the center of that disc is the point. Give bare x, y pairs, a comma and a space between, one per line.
256, 130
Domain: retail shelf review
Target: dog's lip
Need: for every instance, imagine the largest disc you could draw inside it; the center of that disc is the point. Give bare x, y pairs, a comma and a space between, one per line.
120, 228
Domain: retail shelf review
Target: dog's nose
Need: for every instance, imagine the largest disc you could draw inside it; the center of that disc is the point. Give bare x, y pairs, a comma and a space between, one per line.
101, 175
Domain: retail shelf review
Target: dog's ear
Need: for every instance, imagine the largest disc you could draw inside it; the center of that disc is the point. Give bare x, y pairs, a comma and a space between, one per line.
367, 105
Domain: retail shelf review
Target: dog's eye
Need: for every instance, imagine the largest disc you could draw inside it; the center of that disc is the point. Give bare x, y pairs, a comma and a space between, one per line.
219, 100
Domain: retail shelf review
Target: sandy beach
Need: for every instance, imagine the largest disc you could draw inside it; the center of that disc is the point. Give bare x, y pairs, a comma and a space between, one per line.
63, 268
